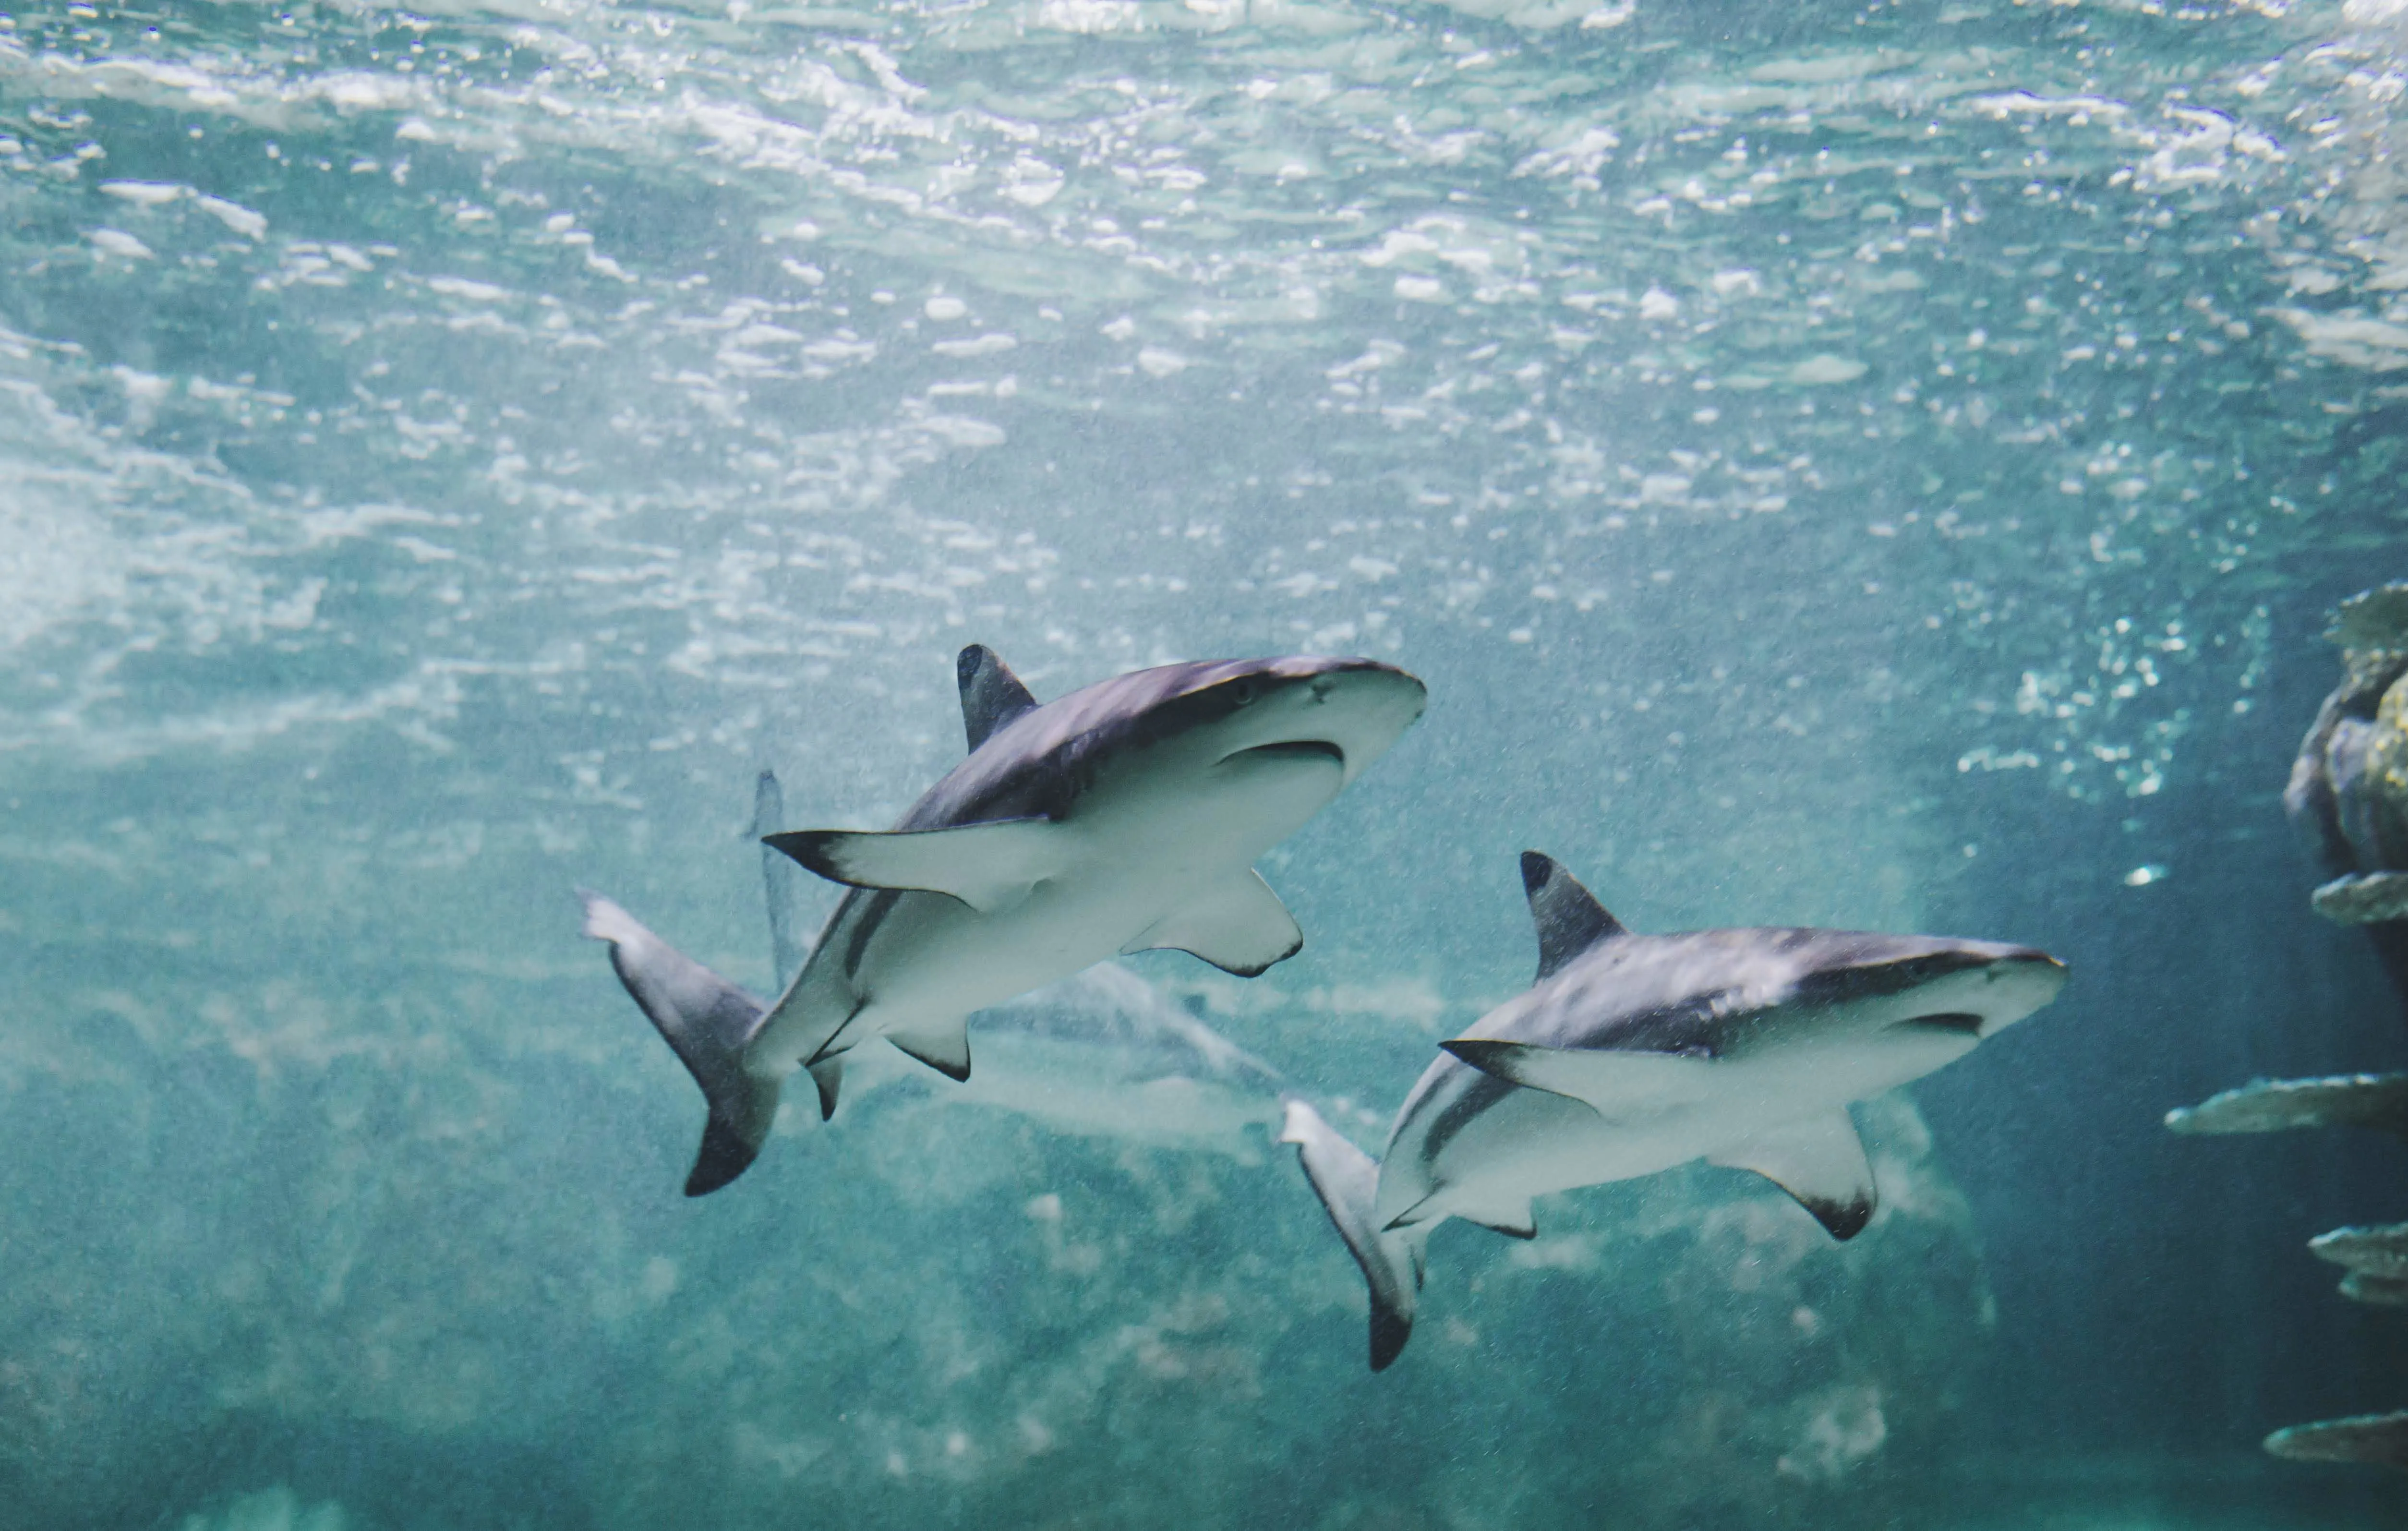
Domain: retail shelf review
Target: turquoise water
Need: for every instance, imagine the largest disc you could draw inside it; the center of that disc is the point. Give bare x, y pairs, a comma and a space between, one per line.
1880, 465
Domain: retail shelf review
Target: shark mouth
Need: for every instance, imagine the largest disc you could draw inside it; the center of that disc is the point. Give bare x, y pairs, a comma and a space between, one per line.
1298, 750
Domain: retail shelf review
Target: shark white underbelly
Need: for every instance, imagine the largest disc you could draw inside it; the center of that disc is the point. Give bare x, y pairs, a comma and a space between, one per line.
1105, 880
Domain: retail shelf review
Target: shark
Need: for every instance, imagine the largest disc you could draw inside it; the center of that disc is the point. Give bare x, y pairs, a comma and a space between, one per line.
1105, 1054
1630, 1055
1101, 1054
1124, 816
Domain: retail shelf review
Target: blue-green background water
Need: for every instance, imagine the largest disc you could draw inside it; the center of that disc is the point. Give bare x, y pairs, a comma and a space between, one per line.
1884, 465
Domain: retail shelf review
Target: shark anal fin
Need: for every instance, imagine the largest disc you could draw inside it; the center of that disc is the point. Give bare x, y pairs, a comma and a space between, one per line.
992, 696
1238, 926
1514, 1221
944, 1047
1821, 1161
781, 880
1568, 918
828, 1075
989, 866
1616, 1083
1347, 1180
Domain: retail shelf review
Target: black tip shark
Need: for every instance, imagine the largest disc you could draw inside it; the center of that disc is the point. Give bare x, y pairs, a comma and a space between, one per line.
1126, 816
1630, 1055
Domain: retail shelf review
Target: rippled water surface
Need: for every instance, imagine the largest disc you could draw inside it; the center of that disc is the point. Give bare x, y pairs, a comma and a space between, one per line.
1886, 465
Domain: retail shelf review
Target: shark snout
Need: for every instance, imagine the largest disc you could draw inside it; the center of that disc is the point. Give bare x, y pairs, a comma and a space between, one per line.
1353, 710
2017, 982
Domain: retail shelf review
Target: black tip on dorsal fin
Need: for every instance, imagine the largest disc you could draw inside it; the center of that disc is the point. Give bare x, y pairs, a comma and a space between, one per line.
1568, 917
992, 696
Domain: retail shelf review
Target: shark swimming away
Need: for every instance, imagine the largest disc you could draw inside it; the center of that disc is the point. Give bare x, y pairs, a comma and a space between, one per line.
1124, 816
1630, 1055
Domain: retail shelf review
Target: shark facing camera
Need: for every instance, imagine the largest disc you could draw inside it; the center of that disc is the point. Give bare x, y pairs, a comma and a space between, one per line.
1630, 1055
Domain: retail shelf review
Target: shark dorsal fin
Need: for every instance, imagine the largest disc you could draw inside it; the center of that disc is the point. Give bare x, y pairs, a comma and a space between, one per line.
992, 696
1568, 917
782, 880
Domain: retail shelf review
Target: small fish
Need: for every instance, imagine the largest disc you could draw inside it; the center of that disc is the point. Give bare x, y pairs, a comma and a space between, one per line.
2342, 1100
1126, 816
1630, 1055
2377, 1439
2376, 1260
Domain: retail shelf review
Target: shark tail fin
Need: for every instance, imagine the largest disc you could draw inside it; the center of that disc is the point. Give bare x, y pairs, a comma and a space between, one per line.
1346, 1180
706, 1020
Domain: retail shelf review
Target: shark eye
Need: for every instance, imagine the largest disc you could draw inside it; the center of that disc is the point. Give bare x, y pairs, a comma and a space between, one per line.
1242, 693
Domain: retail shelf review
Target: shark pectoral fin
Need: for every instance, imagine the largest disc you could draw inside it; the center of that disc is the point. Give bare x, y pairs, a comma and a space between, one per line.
944, 1047
1615, 1083
1239, 927
989, 866
828, 1074
1514, 1220
1821, 1161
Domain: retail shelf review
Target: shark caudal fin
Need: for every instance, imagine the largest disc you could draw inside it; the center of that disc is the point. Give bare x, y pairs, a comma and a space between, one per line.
1346, 1180
706, 1020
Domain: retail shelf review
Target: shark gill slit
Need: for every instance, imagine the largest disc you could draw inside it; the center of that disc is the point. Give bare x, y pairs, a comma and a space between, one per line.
1289, 749
1963, 1023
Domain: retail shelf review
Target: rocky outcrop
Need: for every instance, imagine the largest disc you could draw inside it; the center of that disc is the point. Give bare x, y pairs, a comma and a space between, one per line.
2348, 799
2348, 793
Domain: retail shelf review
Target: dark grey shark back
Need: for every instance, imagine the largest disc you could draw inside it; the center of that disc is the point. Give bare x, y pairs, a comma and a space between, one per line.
1699, 992
1690, 992
1035, 765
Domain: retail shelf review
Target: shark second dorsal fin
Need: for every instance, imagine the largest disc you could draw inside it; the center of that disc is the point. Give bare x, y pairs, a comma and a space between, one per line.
992, 696
1568, 917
